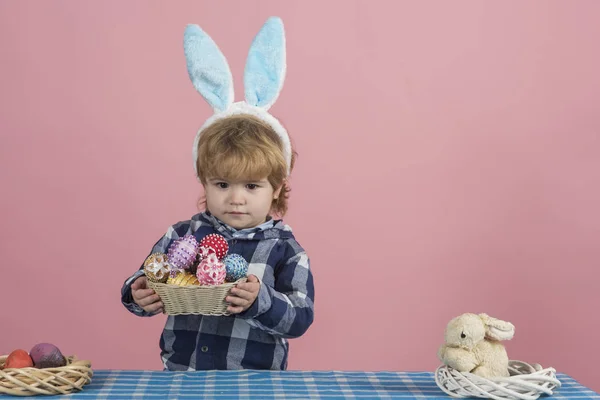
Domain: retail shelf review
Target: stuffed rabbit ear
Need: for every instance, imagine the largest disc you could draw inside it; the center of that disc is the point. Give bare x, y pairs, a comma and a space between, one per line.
208, 68
265, 67
497, 329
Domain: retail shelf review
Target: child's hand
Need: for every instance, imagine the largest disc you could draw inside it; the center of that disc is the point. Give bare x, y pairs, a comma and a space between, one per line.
243, 295
144, 297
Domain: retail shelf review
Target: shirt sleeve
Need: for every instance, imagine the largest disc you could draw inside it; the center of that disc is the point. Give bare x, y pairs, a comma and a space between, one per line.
287, 309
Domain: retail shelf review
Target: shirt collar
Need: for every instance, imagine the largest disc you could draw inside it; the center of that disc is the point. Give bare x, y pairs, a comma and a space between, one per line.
220, 225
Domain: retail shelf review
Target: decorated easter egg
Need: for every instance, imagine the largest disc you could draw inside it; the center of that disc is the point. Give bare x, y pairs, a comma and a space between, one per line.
157, 267
46, 355
183, 278
214, 243
182, 252
236, 267
18, 359
211, 271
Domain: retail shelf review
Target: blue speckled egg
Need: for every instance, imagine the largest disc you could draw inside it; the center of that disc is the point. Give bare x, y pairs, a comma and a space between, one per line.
236, 267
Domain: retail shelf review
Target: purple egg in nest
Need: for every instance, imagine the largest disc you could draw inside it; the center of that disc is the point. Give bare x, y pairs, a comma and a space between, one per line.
46, 355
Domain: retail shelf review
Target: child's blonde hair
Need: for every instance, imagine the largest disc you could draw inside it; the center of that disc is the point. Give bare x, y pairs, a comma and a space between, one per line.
243, 147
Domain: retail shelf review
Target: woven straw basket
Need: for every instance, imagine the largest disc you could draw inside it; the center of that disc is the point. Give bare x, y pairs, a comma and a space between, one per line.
194, 299
526, 382
50, 381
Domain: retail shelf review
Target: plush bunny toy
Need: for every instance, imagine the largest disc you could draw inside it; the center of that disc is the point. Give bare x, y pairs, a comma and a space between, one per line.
473, 345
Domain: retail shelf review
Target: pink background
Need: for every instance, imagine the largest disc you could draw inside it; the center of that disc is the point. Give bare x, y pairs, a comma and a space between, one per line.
449, 162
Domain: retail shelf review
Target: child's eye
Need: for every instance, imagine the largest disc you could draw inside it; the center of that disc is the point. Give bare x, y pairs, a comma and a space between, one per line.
222, 185
251, 186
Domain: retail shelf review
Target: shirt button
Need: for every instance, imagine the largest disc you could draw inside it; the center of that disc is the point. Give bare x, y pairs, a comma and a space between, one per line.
204, 349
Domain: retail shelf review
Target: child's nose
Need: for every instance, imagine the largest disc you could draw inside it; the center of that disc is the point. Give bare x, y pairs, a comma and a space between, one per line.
236, 197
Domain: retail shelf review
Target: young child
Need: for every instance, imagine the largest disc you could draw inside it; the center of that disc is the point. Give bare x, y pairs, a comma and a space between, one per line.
243, 157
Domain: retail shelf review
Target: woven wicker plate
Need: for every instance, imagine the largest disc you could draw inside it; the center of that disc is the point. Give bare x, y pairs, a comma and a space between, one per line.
45, 381
526, 382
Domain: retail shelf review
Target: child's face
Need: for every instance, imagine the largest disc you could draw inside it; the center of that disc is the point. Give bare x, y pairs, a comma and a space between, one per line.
240, 204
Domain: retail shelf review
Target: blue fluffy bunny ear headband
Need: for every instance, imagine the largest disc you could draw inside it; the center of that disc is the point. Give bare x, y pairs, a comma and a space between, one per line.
263, 78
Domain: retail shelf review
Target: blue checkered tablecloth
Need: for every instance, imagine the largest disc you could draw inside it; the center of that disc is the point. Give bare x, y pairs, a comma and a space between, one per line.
249, 384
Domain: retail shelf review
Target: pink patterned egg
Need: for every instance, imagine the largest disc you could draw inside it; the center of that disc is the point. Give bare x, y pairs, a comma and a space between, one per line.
182, 252
211, 271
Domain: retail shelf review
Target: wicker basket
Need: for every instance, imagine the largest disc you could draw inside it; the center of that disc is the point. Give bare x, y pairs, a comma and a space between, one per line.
194, 299
526, 382
50, 381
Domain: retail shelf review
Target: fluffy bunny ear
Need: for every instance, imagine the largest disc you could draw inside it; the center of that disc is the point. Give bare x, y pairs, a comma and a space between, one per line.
208, 68
265, 67
496, 329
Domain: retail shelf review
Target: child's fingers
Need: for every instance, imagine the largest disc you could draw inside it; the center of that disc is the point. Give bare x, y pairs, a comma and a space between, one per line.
235, 309
146, 301
139, 283
153, 308
250, 287
238, 301
140, 294
241, 293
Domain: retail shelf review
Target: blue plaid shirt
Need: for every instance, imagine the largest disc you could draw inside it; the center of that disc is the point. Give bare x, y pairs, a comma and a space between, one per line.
256, 338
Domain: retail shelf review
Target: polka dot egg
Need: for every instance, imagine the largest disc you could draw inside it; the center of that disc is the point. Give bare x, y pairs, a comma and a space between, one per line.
214, 243
236, 267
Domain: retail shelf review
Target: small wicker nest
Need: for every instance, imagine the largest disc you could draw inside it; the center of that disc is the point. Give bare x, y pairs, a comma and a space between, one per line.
194, 299
526, 382
50, 381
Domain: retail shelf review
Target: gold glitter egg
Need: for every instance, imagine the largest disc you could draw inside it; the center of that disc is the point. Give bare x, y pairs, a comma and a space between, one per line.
157, 268
183, 279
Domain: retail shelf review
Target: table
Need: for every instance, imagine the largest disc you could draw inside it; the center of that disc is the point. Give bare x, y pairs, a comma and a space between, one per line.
250, 384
